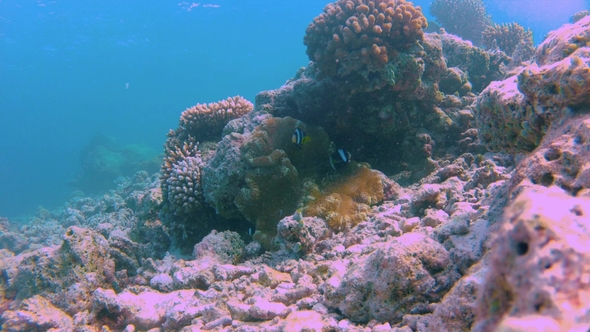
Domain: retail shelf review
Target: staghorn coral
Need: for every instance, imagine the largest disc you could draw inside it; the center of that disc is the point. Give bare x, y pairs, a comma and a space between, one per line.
507, 36
465, 18
362, 36
345, 202
205, 122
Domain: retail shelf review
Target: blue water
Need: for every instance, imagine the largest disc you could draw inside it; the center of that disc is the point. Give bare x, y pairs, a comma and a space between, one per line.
541, 16
126, 69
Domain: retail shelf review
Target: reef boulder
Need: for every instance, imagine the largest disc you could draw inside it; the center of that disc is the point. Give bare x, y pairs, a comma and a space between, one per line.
399, 276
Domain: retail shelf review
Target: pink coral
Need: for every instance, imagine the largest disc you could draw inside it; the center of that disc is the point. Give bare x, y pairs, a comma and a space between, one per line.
205, 122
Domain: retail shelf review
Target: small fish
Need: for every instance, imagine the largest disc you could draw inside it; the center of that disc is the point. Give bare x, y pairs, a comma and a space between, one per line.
299, 138
297, 247
339, 158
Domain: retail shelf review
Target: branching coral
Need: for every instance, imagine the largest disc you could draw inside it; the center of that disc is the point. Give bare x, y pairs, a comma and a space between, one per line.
465, 18
507, 36
205, 122
362, 35
345, 203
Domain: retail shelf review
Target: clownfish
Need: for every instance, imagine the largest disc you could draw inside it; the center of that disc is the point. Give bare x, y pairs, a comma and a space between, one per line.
339, 158
299, 137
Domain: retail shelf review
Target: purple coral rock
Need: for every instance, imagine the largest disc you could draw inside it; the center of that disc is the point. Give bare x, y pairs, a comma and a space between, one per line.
266, 310
226, 247
540, 264
399, 276
36, 314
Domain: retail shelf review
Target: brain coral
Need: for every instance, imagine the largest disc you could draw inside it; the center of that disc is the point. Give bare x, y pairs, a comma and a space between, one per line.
465, 18
507, 36
362, 35
205, 122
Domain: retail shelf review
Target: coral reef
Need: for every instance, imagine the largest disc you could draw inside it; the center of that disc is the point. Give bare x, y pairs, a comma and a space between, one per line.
465, 18
226, 246
507, 37
480, 66
185, 157
564, 41
557, 86
561, 160
579, 15
514, 114
181, 177
277, 289
84, 254
388, 125
205, 122
36, 314
474, 240
360, 37
420, 267
187, 151
539, 271
275, 170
